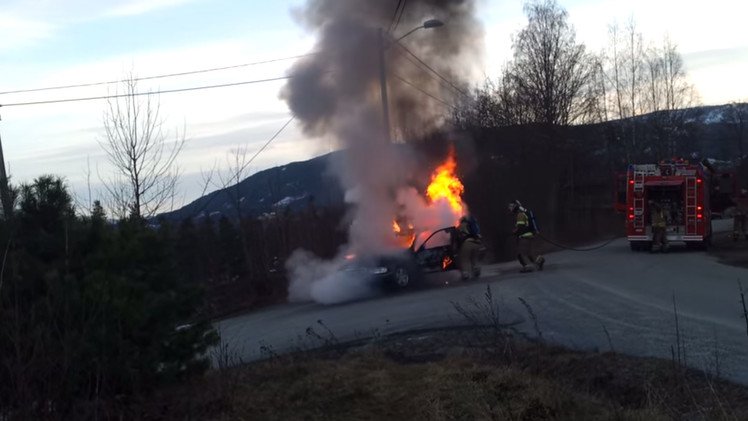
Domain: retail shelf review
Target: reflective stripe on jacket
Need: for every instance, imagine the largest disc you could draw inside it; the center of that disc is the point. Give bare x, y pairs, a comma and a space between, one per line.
522, 226
658, 219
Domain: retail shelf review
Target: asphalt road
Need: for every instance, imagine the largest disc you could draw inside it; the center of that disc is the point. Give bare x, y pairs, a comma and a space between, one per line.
576, 299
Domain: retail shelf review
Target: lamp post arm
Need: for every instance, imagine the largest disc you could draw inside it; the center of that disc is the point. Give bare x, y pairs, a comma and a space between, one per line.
408, 33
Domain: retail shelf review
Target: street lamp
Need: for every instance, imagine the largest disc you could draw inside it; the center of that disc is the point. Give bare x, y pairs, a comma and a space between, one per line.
431, 23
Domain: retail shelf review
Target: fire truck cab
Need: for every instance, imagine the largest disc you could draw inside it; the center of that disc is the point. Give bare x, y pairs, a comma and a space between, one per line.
682, 190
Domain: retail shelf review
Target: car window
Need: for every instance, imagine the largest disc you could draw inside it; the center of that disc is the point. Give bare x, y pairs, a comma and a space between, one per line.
438, 239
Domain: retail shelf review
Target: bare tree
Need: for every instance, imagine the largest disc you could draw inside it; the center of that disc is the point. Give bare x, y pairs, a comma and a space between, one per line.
641, 82
635, 64
653, 76
141, 152
679, 93
550, 72
668, 94
623, 62
597, 91
482, 108
617, 71
229, 180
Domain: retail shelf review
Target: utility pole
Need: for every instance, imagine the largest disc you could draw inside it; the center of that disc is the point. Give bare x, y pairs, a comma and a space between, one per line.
383, 86
383, 45
4, 188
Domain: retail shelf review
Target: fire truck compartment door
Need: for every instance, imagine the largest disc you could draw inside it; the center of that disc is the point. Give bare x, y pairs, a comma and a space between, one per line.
661, 183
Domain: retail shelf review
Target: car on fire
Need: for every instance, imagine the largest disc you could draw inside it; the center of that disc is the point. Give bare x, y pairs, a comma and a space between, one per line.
436, 253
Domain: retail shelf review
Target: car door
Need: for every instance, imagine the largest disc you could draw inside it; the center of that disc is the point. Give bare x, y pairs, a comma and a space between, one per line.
438, 251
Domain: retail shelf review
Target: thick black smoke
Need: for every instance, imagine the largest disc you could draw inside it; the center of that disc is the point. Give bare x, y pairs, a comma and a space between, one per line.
347, 69
336, 94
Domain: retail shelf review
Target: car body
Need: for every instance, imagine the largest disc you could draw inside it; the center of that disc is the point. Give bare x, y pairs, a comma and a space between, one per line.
436, 253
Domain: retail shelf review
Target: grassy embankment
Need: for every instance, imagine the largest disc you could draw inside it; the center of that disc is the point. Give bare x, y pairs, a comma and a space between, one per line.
486, 372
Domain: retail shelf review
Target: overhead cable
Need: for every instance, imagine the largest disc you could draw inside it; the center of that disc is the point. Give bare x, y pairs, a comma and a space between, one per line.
402, 10
434, 97
211, 196
168, 91
429, 74
191, 72
442, 77
394, 16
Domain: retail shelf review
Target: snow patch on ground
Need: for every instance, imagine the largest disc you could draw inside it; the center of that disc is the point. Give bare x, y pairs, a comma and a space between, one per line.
714, 116
288, 200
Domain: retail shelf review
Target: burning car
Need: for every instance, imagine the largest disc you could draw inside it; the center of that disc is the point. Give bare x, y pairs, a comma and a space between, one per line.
438, 252
427, 248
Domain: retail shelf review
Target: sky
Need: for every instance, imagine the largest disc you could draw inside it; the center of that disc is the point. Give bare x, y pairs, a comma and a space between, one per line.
51, 43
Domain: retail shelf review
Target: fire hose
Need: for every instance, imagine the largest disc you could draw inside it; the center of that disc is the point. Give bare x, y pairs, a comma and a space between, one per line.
599, 246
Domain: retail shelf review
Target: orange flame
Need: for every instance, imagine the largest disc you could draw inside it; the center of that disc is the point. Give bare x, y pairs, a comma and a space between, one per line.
445, 185
446, 261
404, 237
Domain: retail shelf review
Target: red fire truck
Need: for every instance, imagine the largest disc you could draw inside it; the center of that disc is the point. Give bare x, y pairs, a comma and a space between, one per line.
682, 189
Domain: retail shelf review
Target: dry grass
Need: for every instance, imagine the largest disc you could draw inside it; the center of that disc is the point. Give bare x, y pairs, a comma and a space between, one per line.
446, 375
375, 387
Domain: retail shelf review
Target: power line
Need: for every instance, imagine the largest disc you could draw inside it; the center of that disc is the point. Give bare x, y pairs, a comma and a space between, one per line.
402, 10
432, 69
192, 72
211, 196
270, 140
394, 16
93, 98
412, 85
429, 74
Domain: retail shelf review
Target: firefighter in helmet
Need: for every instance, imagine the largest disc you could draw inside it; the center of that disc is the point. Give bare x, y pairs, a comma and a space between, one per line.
659, 226
468, 254
525, 234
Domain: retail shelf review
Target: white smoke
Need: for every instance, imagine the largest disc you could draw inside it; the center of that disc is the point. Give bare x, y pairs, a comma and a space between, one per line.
323, 281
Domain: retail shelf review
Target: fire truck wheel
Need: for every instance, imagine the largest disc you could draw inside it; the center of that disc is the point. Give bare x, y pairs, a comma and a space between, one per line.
701, 245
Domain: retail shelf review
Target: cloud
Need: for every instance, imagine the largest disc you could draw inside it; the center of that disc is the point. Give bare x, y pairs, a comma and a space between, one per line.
139, 7
18, 32
24, 24
76, 11
715, 57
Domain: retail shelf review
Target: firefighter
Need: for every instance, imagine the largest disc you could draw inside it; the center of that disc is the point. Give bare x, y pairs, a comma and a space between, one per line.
740, 216
659, 227
469, 248
525, 235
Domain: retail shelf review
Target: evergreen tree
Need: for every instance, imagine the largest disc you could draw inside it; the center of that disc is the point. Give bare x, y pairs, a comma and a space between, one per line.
230, 246
89, 311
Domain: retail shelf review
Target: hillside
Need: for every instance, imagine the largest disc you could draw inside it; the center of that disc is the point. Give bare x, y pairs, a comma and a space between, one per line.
297, 184
291, 186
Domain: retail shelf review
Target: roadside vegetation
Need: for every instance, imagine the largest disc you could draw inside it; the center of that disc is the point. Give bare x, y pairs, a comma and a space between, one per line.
484, 370
92, 314
452, 374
